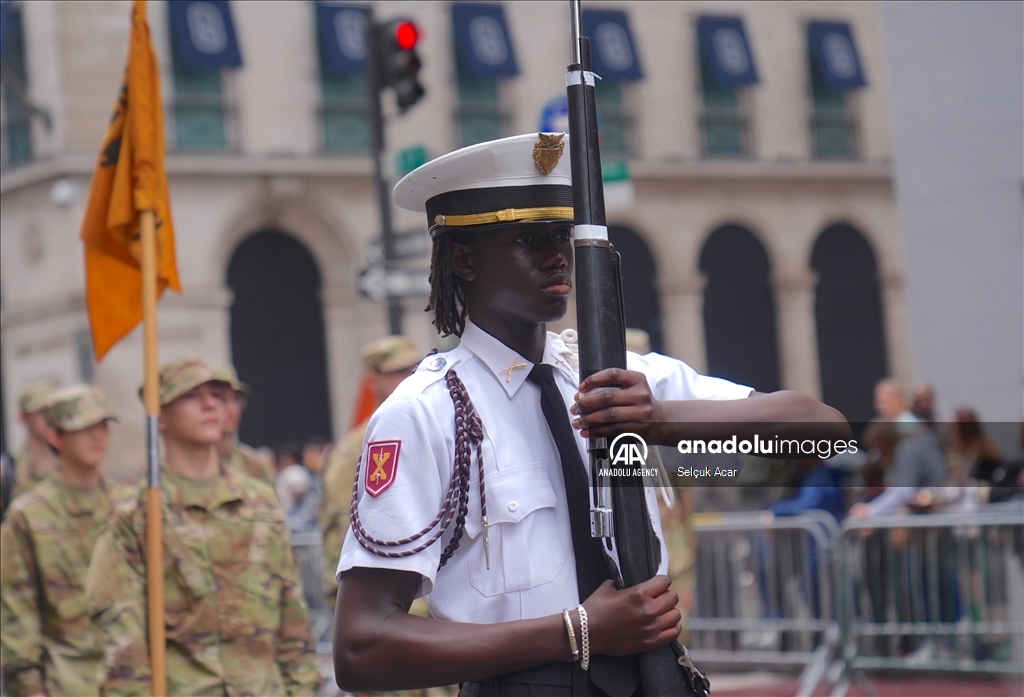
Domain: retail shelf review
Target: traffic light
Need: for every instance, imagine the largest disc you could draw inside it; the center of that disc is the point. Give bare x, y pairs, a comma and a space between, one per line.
400, 66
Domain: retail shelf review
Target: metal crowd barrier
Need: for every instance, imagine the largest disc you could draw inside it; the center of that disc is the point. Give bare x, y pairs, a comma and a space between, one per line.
765, 593
308, 550
941, 591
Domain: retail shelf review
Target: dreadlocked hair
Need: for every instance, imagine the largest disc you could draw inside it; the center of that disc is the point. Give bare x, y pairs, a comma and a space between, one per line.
447, 291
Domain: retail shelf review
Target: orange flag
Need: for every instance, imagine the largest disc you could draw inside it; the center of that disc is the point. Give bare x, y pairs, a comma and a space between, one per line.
129, 178
366, 402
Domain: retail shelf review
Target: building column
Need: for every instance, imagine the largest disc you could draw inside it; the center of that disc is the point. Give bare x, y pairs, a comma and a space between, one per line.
682, 312
797, 331
896, 321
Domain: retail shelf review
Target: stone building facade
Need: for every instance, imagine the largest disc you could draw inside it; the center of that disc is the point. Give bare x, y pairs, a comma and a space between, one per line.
758, 209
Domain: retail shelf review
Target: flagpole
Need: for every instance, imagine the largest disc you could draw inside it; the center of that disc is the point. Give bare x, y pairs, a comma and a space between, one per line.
154, 507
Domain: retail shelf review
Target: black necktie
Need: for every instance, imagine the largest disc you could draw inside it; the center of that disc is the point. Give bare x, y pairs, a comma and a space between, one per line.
617, 676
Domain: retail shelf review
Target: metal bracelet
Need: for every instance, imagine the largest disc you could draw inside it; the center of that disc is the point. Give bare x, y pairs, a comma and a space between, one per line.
585, 637
572, 634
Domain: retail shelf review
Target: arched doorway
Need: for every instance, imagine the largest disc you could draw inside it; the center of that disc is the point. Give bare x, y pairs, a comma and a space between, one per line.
277, 339
739, 309
848, 312
639, 284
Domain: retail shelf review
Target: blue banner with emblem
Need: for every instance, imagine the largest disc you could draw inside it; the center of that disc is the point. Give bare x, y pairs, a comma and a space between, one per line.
203, 34
342, 37
611, 45
834, 54
6, 8
724, 43
483, 41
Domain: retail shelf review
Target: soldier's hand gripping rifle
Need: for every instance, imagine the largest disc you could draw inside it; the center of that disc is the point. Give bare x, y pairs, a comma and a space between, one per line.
619, 514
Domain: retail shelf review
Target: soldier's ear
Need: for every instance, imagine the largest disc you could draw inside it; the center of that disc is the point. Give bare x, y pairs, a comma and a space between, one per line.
53, 439
463, 262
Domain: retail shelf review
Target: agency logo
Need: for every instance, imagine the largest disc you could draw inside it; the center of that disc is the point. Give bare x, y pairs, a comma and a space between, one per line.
628, 449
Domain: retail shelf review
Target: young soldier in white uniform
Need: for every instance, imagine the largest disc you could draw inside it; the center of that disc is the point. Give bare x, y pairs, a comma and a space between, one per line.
461, 495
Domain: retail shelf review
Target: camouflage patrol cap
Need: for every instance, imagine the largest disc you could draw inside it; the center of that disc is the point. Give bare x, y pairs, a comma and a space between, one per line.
391, 354
36, 396
184, 374
76, 408
226, 372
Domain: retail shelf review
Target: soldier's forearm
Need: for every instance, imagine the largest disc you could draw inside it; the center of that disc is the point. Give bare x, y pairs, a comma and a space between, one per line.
378, 645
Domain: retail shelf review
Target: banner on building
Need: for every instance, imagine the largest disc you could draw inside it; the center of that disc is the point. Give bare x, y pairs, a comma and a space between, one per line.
834, 55
611, 45
203, 34
483, 41
723, 41
343, 38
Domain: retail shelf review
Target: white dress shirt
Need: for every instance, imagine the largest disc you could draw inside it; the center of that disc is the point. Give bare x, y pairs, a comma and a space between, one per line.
532, 568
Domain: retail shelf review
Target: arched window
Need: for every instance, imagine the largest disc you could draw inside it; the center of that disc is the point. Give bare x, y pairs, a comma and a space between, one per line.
639, 284
739, 309
848, 311
277, 339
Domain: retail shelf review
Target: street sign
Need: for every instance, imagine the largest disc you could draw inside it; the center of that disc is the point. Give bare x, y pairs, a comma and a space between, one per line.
554, 118
378, 284
409, 244
409, 159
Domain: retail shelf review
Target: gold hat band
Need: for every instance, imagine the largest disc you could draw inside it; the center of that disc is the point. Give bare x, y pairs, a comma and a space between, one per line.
508, 215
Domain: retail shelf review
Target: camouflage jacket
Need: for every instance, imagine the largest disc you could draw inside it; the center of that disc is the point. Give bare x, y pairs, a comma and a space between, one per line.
235, 617
339, 474
29, 471
46, 640
250, 461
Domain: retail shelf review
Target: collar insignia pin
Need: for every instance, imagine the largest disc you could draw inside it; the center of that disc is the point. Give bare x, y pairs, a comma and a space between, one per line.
508, 370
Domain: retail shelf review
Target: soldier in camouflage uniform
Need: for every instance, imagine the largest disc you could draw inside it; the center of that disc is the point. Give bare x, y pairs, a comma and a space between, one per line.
235, 618
235, 453
388, 361
35, 460
46, 641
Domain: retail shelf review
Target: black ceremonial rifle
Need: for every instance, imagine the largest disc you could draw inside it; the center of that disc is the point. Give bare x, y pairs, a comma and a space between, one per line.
619, 515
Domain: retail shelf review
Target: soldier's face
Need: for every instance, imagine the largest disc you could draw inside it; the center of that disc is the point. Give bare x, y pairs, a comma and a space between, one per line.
85, 448
522, 271
196, 417
35, 424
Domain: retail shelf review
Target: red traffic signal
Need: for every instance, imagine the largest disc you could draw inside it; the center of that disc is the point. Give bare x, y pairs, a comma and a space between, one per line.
406, 35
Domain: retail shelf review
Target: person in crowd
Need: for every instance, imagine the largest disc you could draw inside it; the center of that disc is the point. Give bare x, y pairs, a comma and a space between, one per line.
235, 453
818, 487
1008, 479
971, 453
47, 644
386, 362
236, 621
922, 404
34, 461
917, 465
507, 408
891, 402
297, 483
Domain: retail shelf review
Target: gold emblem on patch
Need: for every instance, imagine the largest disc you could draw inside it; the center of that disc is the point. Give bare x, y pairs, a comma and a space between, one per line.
547, 151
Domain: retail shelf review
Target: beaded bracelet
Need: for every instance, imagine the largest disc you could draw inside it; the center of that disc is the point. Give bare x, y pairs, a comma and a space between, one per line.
572, 634
585, 637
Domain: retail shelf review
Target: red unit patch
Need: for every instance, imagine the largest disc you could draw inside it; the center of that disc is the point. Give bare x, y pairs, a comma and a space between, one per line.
381, 465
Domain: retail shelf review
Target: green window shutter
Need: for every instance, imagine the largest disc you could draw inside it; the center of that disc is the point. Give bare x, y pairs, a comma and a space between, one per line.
17, 131
723, 123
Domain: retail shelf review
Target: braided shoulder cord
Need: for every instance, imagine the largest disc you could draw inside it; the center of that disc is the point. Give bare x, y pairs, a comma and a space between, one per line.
468, 433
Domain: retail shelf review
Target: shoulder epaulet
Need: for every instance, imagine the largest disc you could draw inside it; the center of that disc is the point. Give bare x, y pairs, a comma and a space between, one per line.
430, 370
571, 351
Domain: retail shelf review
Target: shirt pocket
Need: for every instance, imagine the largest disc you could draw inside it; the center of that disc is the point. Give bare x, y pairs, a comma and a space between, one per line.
525, 547
62, 571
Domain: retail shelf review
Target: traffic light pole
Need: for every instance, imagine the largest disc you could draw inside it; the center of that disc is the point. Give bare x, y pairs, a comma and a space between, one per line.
374, 87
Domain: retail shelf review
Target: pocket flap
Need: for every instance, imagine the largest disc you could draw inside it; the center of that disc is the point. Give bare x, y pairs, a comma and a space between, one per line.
513, 494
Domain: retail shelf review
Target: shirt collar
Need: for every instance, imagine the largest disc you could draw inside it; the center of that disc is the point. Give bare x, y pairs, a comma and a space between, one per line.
179, 494
508, 367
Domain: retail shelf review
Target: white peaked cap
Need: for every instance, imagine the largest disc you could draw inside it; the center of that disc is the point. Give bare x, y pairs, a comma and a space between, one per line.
522, 178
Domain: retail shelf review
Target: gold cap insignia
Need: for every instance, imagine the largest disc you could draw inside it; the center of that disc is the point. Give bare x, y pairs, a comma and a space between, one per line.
547, 151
